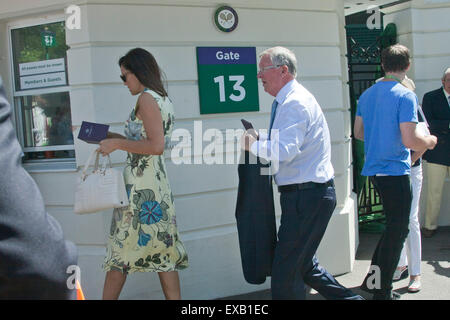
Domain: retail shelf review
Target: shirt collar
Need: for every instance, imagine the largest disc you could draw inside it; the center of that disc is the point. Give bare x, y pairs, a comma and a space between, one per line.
284, 92
445, 92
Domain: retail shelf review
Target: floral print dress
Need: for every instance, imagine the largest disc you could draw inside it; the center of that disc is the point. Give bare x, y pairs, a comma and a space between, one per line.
144, 236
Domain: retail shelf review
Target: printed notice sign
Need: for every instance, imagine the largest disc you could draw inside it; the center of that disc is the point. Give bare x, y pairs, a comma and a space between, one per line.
43, 80
42, 74
227, 79
39, 67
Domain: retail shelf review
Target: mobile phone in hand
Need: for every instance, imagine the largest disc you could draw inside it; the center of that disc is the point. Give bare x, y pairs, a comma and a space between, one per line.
249, 127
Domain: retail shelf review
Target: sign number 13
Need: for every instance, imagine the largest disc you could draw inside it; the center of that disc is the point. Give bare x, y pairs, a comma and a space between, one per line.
236, 87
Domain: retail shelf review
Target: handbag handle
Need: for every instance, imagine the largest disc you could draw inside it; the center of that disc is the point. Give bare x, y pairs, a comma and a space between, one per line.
89, 160
423, 116
104, 164
86, 166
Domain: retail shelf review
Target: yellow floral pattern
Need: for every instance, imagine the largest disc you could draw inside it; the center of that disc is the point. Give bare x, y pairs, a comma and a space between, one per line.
144, 236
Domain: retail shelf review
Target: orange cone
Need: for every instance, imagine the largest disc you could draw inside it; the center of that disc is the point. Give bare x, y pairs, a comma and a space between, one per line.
80, 295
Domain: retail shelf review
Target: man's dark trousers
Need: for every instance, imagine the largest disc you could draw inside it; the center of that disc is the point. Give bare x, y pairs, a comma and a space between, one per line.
396, 196
304, 219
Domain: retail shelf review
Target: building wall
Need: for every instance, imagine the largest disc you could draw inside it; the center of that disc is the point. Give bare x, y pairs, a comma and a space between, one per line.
423, 27
205, 195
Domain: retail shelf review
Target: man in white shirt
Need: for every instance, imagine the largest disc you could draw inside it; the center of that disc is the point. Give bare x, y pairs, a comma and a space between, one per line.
299, 148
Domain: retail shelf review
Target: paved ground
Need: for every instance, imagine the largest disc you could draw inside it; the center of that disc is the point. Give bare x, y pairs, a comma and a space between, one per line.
435, 271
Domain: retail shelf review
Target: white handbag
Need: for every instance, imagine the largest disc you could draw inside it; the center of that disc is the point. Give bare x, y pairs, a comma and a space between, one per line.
102, 189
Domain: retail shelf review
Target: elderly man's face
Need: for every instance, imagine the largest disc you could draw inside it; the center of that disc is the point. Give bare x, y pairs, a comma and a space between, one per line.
446, 83
270, 76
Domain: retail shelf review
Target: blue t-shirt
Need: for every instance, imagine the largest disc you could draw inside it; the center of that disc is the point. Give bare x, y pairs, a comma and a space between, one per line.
383, 107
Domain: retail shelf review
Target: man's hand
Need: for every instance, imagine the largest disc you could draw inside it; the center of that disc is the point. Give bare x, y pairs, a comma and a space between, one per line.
247, 140
414, 140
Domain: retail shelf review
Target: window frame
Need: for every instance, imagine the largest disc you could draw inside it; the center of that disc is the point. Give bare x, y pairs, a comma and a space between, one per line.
63, 164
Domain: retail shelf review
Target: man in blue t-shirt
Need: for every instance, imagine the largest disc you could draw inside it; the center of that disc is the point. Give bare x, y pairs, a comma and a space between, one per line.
386, 120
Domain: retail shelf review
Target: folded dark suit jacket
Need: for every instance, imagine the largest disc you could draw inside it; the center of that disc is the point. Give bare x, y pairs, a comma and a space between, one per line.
436, 110
255, 217
34, 256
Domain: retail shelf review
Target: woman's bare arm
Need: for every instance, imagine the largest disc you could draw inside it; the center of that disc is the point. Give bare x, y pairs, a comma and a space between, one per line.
151, 117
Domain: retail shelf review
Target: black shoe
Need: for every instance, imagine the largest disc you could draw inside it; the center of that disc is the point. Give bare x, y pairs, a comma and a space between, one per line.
400, 275
393, 296
427, 233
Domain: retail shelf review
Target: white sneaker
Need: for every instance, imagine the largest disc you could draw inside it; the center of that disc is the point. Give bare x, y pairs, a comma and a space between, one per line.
414, 285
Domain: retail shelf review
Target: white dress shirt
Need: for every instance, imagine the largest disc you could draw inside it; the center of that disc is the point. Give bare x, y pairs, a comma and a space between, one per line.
447, 96
301, 134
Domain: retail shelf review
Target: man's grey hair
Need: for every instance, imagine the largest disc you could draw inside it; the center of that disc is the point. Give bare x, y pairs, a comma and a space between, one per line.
280, 56
446, 72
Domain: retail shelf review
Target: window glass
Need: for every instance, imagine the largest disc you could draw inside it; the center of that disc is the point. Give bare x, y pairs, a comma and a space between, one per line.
41, 93
48, 116
39, 54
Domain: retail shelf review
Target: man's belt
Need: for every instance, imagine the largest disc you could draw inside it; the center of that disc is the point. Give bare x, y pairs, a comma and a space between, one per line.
305, 185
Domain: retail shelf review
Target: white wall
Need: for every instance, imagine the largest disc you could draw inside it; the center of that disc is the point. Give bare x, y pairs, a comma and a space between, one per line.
205, 196
423, 26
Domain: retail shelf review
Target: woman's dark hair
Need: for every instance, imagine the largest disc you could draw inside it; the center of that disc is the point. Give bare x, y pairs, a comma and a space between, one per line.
144, 66
395, 58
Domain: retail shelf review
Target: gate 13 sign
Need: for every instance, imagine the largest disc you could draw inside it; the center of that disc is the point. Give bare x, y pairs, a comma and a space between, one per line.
227, 79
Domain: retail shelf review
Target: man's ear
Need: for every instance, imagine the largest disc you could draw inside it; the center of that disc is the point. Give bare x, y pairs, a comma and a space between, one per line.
286, 75
409, 66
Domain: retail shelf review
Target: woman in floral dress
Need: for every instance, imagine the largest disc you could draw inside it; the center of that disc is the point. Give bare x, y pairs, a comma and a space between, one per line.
144, 236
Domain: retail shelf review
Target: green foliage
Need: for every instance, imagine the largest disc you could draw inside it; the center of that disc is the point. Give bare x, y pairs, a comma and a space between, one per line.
389, 36
28, 46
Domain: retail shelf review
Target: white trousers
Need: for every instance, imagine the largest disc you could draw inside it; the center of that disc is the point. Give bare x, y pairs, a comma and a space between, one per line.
412, 249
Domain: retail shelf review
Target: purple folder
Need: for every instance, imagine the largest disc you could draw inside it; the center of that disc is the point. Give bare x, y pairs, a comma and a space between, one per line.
93, 132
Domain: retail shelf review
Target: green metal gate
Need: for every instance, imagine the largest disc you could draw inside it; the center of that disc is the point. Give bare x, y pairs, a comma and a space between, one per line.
363, 54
